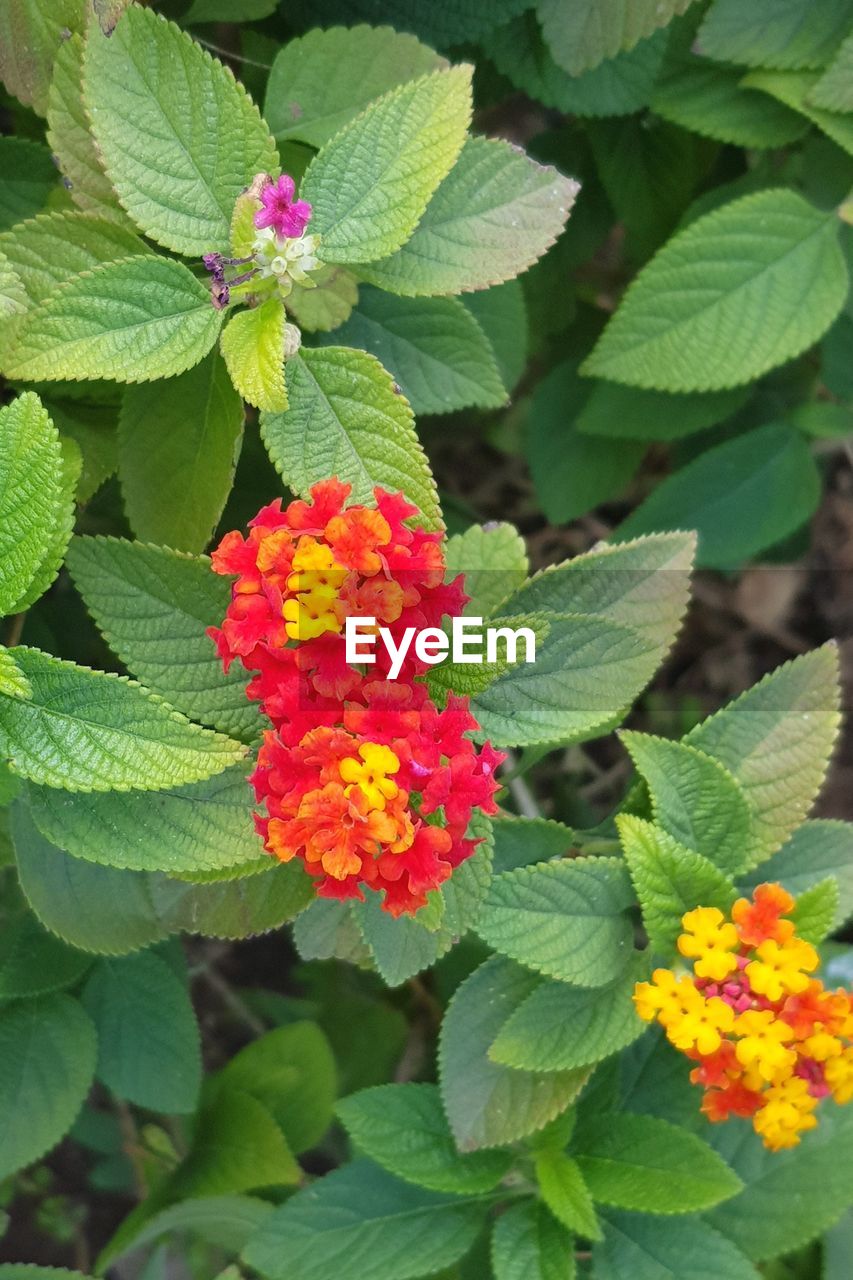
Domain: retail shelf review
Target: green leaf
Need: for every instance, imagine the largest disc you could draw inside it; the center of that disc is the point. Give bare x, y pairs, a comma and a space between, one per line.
565, 1193
13, 682
403, 1128
128, 321
488, 1105
648, 1248
723, 301
631, 413
521, 841
401, 948
237, 1146
710, 99
834, 89
695, 799
527, 1244
561, 1028
86, 730
815, 911
30, 1271
794, 89
31, 32
69, 477
327, 930
47, 1058
638, 1162
324, 79
565, 919
291, 1071
582, 35
30, 494
227, 1221
776, 740
669, 879
775, 33
495, 213
29, 177
816, 850
742, 496
502, 315
179, 136
178, 445
328, 304
148, 1039
70, 134
13, 298
252, 345
33, 962
153, 606
405, 1231
433, 347
346, 420
55, 247
370, 184
493, 560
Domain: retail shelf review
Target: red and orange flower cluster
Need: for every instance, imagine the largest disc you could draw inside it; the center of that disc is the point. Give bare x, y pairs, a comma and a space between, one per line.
363, 778
769, 1040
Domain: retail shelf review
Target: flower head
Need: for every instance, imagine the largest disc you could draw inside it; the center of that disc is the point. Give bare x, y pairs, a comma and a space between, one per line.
286, 216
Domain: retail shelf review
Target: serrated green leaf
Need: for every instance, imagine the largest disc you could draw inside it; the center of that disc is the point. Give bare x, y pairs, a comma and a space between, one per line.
86, 730
346, 420
495, 214
775, 33
327, 930
33, 962
405, 1231
237, 1146
128, 321
13, 298
370, 184
153, 606
710, 99
148, 1039
742, 496
328, 304
30, 494
635, 414
560, 1027
13, 682
401, 948
527, 1244
521, 841
816, 910
488, 1105
582, 35
723, 301
462, 895
817, 849
252, 345
648, 1248
669, 879
403, 1128
564, 919
501, 313
28, 178
433, 347
179, 136
834, 89
70, 135
31, 32
564, 1191
794, 89
321, 81
493, 560
71, 465
776, 739
54, 247
47, 1059
638, 1162
227, 1221
695, 799
178, 445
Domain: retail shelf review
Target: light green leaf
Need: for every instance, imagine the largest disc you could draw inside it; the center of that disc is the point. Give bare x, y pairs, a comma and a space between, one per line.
30, 494
638, 1162
70, 134
521, 841
794, 89
401, 948
33, 962
742, 496
153, 606
495, 214
13, 682
28, 178
564, 919
816, 850
179, 136
710, 99
737, 292
328, 304
631, 413
13, 298
346, 420
86, 730
31, 32
71, 466
128, 321
695, 799
560, 1028
148, 1039
47, 1058
252, 345
527, 1244
433, 347
321, 81
370, 184
775, 33
669, 879
564, 1191
489, 1105
815, 911
776, 739
493, 560
55, 247
403, 1128
648, 1248
581, 35
834, 89
237, 1146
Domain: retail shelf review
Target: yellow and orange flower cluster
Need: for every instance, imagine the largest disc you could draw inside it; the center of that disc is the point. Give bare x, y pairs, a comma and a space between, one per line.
770, 1042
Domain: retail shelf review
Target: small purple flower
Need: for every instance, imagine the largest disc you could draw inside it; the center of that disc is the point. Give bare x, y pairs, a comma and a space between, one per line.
288, 217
